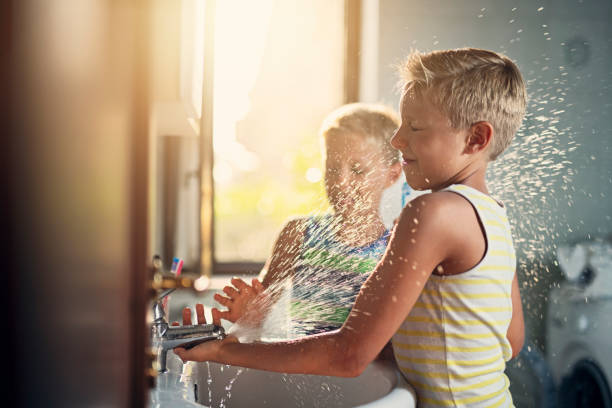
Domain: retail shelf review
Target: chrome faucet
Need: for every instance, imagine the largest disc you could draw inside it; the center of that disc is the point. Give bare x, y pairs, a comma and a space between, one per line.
165, 337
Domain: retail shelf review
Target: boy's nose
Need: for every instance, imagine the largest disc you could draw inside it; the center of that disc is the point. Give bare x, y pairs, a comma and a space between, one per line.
397, 141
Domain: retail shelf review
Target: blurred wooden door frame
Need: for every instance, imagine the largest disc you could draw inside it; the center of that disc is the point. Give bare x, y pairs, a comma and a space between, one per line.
352, 48
75, 181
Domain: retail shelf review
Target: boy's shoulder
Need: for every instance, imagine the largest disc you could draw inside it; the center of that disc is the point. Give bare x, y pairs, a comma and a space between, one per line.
305, 220
325, 218
292, 233
297, 226
443, 223
295, 223
442, 213
436, 204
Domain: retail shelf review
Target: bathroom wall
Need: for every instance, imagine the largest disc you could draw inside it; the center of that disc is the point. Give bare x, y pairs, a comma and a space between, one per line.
557, 178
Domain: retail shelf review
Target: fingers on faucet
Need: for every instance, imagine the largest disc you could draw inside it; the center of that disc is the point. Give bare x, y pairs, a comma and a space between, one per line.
200, 313
186, 316
216, 316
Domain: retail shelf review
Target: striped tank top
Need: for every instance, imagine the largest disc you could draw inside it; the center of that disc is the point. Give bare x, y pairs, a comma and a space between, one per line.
328, 276
452, 347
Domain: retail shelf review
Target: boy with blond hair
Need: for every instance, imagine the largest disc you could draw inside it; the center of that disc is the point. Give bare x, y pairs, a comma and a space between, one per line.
327, 258
445, 291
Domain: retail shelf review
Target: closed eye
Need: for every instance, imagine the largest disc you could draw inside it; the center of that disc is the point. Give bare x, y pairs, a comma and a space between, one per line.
413, 127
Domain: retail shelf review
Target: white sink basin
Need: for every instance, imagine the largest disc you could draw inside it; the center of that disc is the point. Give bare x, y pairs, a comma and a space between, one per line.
380, 385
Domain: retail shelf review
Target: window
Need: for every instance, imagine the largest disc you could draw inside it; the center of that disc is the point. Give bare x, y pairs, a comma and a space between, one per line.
278, 70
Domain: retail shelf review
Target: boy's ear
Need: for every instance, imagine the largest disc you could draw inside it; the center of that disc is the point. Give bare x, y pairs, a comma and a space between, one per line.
395, 171
479, 137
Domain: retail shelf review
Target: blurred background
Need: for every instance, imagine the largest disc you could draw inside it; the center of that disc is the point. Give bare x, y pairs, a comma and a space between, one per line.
190, 128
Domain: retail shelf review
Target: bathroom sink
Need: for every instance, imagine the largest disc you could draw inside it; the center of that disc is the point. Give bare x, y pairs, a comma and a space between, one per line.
216, 385
380, 385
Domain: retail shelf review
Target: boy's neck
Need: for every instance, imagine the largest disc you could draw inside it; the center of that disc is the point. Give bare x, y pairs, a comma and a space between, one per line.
475, 179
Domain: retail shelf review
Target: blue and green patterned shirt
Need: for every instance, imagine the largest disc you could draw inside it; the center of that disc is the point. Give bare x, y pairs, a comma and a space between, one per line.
328, 276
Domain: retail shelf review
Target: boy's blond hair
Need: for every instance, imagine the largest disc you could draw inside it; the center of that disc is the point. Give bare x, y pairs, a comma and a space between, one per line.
371, 121
470, 85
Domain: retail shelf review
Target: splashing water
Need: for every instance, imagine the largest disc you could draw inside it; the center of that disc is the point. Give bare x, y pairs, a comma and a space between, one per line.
209, 381
317, 292
528, 180
228, 388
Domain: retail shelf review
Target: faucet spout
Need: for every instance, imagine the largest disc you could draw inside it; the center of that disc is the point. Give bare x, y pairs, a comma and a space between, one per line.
184, 336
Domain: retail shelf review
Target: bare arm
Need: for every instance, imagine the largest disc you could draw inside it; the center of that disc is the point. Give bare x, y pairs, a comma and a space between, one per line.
516, 330
382, 304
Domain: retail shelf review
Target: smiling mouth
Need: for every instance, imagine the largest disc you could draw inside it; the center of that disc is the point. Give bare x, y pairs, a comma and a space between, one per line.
406, 161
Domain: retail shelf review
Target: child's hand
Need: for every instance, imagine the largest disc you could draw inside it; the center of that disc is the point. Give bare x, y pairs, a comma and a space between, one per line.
204, 351
239, 298
200, 316
207, 351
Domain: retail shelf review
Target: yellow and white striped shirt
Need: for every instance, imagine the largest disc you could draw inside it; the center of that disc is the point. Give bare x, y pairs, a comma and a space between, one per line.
452, 347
